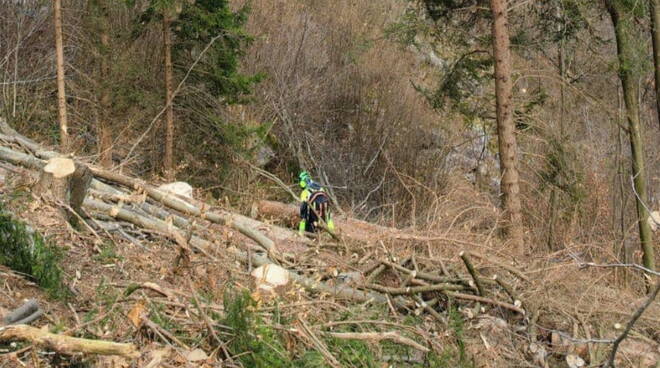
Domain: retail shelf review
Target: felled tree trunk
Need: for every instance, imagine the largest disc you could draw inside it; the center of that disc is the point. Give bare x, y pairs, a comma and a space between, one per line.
279, 211
347, 227
66, 344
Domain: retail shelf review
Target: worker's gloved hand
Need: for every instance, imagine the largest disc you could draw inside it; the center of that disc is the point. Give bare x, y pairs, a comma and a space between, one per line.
301, 228
331, 225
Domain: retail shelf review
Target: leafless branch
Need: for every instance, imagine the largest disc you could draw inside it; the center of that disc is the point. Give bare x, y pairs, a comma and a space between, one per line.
640, 311
648, 210
575, 340
625, 265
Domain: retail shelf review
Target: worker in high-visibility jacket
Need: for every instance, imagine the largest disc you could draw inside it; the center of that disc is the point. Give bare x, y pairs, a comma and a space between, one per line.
314, 205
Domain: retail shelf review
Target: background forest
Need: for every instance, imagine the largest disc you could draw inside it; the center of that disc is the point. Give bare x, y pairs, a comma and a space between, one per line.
391, 104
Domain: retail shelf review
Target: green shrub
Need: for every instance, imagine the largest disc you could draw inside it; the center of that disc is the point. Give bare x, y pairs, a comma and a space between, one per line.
28, 253
258, 345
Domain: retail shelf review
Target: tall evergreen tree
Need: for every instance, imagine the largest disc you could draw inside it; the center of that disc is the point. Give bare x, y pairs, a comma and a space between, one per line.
468, 70
506, 129
190, 29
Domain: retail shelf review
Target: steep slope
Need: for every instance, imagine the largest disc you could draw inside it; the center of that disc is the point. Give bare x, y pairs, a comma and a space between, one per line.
169, 285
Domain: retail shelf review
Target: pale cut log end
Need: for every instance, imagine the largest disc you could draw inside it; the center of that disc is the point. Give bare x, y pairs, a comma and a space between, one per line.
60, 167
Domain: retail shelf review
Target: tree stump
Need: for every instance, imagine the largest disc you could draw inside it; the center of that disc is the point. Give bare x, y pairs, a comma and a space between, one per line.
65, 182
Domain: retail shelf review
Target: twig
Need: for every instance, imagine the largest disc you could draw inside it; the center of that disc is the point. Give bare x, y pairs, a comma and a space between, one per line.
320, 345
163, 332
414, 290
272, 177
627, 265
427, 307
486, 300
631, 323
207, 321
507, 289
377, 336
473, 273
422, 275
648, 211
375, 322
370, 279
496, 262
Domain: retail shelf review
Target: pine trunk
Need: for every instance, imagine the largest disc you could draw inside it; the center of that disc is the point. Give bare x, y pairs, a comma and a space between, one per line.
505, 125
630, 78
655, 34
61, 94
168, 160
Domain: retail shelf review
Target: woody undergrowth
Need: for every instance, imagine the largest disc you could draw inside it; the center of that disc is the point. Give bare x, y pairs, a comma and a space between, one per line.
260, 342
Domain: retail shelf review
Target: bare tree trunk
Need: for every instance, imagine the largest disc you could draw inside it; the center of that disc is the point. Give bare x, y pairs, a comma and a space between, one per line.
168, 160
105, 144
553, 191
61, 94
104, 128
655, 34
505, 125
630, 77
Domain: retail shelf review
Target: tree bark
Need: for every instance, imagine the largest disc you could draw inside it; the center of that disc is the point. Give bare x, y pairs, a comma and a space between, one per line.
80, 183
505, 124
655, 35
61, 94
629, 75
168, 159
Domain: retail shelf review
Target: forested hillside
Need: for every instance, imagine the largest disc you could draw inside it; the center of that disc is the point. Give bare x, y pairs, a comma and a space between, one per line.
492, 168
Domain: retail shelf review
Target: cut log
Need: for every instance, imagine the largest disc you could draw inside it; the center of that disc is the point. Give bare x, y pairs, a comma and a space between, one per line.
278, 211
20, 159
66, 344
163, 227
179, 188
347, 227
244, 225
270, 280
24, 314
